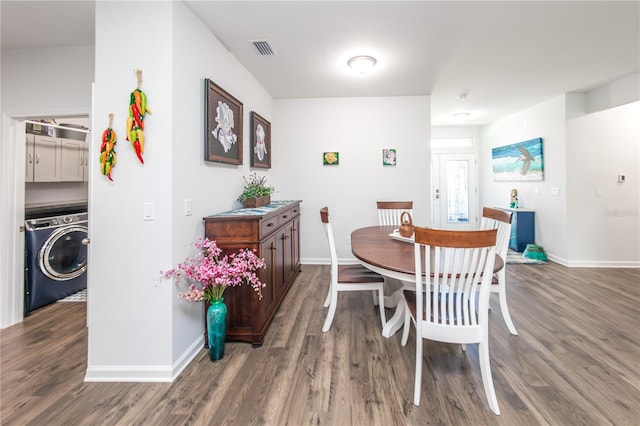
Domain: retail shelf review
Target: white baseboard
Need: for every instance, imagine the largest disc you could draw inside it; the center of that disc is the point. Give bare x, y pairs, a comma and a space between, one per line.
142, 373
603, 264
327, 261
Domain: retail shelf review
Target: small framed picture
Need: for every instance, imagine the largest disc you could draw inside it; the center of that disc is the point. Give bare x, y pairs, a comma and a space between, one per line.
260, 141
389, 157
223, 125
331, 158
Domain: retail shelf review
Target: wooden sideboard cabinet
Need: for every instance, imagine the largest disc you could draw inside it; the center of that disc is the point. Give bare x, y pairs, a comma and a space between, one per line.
274, 232
523, 228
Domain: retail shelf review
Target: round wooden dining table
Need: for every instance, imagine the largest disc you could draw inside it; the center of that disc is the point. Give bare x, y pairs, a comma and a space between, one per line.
374, 247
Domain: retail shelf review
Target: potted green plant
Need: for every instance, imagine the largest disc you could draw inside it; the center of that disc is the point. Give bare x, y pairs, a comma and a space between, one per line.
256, 192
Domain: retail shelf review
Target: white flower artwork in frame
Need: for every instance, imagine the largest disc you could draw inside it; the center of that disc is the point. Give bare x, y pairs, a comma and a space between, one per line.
223, 125
389, 157
260, 141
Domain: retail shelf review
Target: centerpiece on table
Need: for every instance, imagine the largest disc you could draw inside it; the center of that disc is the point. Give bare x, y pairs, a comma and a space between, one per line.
256, 192
209, 276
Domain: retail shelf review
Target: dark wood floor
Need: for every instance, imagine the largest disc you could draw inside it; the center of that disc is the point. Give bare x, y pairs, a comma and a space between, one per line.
576, 361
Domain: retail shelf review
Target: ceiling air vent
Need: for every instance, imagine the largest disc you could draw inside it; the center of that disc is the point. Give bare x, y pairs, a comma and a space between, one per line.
264, 47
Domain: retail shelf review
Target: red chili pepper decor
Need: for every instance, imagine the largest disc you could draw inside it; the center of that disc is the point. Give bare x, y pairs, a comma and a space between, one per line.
135, 123
108, 158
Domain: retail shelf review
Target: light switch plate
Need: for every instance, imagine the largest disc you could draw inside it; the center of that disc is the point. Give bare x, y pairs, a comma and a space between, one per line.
188, 207
555, 191
148, 211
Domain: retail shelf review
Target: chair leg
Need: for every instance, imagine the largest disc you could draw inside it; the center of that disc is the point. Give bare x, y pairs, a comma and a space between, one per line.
376, 299
383, 317
331, 313
502, 294
407, 326
328, 299
487, 381
417, 387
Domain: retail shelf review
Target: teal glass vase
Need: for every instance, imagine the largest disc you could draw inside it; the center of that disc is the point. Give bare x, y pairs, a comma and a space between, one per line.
217, 329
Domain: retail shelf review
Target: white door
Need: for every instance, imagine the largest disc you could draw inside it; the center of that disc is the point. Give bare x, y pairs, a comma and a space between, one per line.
454, 191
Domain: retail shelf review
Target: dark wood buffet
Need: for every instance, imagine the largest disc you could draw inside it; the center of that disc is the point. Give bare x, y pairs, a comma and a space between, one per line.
274, 232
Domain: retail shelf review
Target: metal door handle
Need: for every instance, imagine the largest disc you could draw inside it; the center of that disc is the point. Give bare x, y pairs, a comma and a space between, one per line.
86, 241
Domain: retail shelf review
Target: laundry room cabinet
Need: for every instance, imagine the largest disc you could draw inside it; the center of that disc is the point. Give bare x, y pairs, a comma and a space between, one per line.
52, 159
273, 231
43, 158
72, 158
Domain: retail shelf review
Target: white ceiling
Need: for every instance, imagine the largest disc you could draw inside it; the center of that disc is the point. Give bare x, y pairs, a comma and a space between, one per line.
506, 55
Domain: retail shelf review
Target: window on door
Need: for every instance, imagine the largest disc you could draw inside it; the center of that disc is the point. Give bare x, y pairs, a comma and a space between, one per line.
457, 191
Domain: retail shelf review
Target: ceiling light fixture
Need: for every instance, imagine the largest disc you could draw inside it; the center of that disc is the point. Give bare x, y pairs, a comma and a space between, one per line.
461, 115
361, 64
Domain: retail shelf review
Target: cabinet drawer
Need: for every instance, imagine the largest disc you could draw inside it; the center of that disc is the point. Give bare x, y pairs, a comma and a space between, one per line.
289, 214
269, 225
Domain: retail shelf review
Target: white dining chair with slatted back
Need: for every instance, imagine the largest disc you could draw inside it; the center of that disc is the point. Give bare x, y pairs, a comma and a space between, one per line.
389, 212
347, 277
500, 220
451, 301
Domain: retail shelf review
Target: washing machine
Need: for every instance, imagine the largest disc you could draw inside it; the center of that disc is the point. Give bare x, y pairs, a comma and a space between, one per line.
55, 258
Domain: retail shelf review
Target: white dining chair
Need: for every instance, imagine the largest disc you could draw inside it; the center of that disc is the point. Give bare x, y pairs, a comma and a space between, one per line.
451, 301
347, 277
389, 212
500, 220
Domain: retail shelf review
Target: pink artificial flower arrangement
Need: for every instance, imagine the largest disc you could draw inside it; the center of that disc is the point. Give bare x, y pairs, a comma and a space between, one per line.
210, 276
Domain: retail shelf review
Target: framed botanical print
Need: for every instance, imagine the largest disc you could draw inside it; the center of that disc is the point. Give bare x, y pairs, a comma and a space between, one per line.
331, 158
389, 157
260, 141
223, 125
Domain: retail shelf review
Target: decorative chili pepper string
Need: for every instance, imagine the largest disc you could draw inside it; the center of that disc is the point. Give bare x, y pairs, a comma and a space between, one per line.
135, 123
108, 157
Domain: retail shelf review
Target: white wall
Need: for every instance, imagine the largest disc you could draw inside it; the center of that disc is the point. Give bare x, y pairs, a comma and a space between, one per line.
47, 81
155, 334
545, 120
359, 129
583, 153
603, 225
129, 311
213, 187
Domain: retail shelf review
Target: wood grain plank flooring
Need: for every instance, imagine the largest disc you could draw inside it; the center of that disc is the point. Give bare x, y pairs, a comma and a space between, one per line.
576, 360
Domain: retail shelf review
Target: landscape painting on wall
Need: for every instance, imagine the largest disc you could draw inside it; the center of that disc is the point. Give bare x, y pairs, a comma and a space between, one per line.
522, 161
